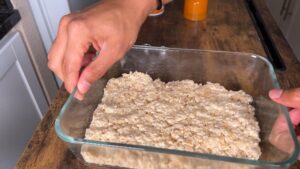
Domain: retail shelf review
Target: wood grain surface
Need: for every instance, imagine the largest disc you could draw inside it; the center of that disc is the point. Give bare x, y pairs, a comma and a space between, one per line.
228, 28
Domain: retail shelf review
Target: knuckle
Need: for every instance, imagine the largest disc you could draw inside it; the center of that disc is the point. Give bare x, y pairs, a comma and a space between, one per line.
68, 69
77, 25
114, 30
71, 64
65, 19
93, 73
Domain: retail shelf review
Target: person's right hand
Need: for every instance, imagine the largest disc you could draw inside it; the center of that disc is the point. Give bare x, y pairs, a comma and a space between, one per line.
280, 135
111, 27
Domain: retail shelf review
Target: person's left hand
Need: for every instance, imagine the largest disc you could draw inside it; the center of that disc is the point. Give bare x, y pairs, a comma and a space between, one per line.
280, 136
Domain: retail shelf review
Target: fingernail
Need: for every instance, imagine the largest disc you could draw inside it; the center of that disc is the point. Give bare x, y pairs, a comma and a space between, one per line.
83, 86
275, 93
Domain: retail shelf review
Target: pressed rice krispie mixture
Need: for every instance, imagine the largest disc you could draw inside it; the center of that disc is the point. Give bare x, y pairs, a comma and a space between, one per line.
182, 115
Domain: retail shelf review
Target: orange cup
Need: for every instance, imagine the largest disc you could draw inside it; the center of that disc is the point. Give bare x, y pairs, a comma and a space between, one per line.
195, 10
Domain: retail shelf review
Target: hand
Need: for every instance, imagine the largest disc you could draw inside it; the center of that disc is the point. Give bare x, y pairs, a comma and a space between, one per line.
111, 27
280, 136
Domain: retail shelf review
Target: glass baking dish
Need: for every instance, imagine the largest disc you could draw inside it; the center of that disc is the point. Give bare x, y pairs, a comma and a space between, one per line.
236, 71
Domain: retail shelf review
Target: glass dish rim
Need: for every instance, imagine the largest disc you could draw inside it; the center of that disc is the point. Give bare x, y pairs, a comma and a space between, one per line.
72, 140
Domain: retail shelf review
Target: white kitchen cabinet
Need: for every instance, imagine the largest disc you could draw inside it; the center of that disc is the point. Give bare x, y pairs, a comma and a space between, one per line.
22, 102
287, 15
293, 35
282, 11
47, 15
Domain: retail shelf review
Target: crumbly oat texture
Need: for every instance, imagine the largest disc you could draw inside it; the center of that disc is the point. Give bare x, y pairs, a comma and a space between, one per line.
178, 115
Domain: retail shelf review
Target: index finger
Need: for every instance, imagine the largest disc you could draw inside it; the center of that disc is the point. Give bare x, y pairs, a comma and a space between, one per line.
74, 53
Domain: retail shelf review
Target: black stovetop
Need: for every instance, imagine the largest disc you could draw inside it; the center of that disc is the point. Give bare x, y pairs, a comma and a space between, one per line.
5, 5
9, 17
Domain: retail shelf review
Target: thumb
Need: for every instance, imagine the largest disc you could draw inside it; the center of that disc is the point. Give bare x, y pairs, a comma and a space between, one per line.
289, 98
96, 69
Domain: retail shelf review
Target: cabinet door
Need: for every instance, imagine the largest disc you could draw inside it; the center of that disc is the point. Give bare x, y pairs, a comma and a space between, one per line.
282, 11
47, 14
22, 102
293, 35
276, 7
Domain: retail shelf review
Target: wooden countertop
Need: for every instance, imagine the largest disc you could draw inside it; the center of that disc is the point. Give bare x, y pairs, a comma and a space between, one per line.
228, 27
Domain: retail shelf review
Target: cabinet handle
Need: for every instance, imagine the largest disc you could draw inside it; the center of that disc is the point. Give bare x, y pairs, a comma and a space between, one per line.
287, 12
283, 7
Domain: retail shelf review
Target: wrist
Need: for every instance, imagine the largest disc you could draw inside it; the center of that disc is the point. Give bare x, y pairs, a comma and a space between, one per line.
144, 6
138, 10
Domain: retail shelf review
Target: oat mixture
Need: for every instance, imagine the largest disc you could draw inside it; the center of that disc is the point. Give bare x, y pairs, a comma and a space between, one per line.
179, 115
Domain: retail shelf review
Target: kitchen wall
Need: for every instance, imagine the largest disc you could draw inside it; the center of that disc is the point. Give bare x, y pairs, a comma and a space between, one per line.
35, 47
287, 15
